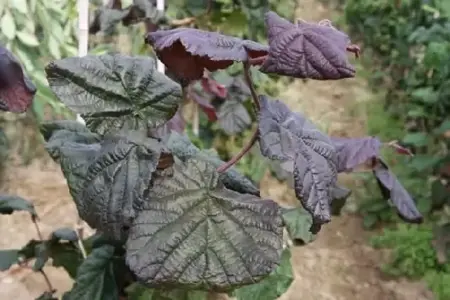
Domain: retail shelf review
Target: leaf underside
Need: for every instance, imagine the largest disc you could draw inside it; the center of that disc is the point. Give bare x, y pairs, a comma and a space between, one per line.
391, 188
16, 89
290, 137
187, 51
194, 233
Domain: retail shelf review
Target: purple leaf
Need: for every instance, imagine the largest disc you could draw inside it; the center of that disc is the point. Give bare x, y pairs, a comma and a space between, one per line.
288, 136
16, 89
187, 52
352, 152
238, 89
307, 50
213, 87
392, 189
233, 117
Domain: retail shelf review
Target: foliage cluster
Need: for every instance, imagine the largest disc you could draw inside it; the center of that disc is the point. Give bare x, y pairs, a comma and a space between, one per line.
413, 256
174, 221
409, 42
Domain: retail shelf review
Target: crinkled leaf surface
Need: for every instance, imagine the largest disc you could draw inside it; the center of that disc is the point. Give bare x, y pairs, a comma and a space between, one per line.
187, 52
16, 89
352, 152
115, 92
182, 147
116, 181
306, 50
298, 222
392, 189
140, 292
233, 117
95, 278
49, 128
10, 204
195, 233
288, 136
272, 287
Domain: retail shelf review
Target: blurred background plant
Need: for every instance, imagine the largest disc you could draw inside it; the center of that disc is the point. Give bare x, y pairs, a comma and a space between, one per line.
406, 45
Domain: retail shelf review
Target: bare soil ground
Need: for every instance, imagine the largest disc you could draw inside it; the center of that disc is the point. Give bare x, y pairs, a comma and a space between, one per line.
338, 265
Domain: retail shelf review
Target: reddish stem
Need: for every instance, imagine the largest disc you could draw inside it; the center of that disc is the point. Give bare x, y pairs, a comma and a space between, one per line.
254, 138
241, 153
354, 49
249, 82
257, 61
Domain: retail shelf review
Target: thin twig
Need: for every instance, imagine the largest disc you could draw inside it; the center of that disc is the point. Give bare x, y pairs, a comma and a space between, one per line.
241, 153
255, 135
81, 245
34, 219
249, 82
83, 45
47, 281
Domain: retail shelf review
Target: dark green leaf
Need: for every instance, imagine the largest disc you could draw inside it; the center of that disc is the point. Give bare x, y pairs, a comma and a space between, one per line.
440, 194
67, 256
422, 162
194, 233
443, 128
116, 180
10, 204
95, 278
46, 296
8, 258
49, 128
416, 138
425, 95
70, 137
42, 256
28, 251
66, 234
272, 287
298, 221
182, 147
140, 292
115, 92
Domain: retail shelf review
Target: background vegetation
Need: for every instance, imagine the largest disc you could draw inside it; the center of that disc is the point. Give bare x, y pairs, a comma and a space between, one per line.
406, 45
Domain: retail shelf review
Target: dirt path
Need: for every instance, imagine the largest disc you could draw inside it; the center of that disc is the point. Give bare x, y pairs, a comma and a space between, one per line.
338, 265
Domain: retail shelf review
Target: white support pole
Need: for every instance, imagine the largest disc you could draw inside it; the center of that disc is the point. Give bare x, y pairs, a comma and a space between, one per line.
160, 5
83, 33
